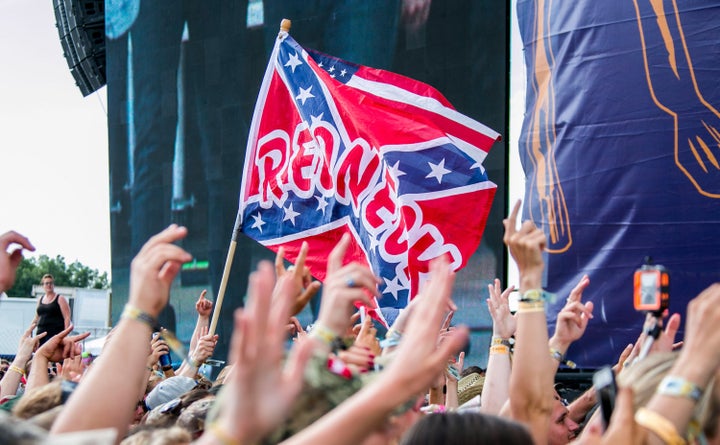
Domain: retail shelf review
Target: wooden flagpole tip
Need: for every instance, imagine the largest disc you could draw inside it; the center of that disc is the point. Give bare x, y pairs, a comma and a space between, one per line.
285, 25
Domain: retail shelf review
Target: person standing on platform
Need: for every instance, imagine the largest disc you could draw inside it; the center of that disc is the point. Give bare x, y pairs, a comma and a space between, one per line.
53, 311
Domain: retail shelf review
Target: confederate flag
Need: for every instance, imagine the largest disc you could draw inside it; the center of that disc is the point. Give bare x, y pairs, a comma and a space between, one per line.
336, 147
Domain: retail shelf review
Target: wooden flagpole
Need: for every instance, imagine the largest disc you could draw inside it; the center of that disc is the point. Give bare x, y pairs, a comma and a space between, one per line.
285, 25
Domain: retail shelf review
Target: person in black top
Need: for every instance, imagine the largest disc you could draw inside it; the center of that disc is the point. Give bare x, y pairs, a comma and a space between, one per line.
53, 311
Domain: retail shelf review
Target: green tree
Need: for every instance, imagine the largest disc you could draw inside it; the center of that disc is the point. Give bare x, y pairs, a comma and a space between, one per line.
31, 271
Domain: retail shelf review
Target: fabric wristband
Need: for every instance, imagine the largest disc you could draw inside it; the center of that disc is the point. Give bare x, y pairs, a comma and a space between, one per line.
560, 357
499, 349
392, 338
324, 334
659, 425
133, 313
533, 295
679, 387
531, 306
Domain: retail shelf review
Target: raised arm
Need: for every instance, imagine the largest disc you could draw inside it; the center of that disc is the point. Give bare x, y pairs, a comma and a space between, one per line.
11, 380
124, 357
259, 391
572, 320
497, 376
698, 361
203, 307
531, 381
418, 360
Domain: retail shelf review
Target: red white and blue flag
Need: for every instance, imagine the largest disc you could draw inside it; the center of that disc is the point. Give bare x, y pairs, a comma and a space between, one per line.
339, 148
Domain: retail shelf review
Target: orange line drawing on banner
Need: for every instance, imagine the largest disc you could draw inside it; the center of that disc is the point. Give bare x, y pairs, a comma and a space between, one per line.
541, 137
699, 160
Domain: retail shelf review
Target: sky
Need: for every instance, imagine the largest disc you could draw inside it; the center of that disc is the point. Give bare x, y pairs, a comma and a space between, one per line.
53, 141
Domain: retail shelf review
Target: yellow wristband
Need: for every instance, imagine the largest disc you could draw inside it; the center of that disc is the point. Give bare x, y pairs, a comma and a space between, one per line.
535, 306
499, 349
496, 340
322, 333
659, 425
133, 313
222, 435
17, 369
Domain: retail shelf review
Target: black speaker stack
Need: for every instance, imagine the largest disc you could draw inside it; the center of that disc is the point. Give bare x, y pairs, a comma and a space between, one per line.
81, 27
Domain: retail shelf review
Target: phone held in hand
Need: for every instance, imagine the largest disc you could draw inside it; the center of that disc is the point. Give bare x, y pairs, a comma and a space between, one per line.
604, 383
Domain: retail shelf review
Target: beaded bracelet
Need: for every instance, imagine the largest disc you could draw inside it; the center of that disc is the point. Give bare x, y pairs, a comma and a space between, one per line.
17, 369
132, 313
659, 425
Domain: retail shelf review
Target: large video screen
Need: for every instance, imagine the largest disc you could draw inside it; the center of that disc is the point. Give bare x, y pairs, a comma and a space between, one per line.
183, 78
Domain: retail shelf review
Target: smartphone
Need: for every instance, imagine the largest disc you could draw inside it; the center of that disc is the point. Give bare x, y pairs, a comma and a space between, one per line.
604, 383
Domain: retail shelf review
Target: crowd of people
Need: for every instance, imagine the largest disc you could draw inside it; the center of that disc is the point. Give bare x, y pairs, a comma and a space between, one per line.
341, 384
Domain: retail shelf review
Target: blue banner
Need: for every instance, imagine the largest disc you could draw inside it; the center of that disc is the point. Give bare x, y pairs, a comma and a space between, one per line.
621, 149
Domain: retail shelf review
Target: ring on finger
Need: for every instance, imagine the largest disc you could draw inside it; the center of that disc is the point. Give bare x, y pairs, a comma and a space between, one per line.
349, 282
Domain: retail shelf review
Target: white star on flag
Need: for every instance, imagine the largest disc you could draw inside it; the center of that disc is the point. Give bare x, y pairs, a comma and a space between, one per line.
258, 222
304, 94
392, 287
437, 171
293, 62
395, 171
322, 203
290, 214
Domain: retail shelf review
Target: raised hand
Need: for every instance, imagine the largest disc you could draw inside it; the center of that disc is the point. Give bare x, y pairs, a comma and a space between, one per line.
418, 346
154, 268
367, 337
303, 285
9, 261
259, 391
526, 247
573, 318
72, 369
345, 285
205, 346
28, 343
62, 346
203, 306
158, 348
504, 323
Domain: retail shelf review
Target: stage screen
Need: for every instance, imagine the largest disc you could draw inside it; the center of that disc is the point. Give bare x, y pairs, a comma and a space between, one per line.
183, 78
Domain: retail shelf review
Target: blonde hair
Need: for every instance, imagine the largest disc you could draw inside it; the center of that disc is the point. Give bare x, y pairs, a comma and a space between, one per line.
39, 400
645, 376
